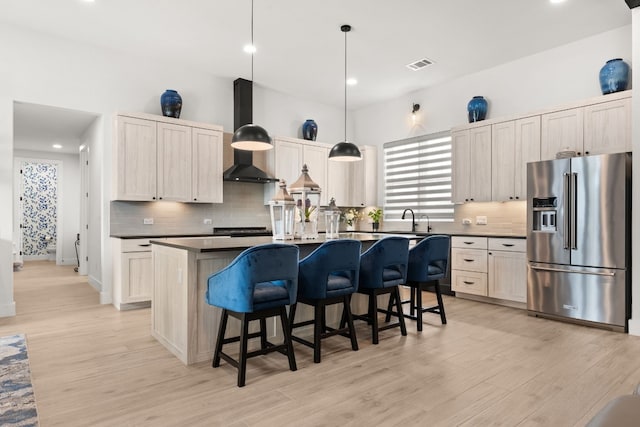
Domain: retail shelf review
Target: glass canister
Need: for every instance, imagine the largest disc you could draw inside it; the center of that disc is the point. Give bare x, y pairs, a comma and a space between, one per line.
332, 220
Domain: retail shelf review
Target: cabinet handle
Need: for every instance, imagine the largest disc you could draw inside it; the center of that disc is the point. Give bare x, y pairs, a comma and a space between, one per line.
490, 253
145, 245
517, 198
471, 200
510, 197
195, 200
468, 243
468, 260
466, 200
468, 283
154, 197
508, 245
578, 153
160, 198
586, 153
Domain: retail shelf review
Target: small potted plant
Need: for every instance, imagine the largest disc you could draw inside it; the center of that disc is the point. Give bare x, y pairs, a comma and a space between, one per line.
375, 215
351, 216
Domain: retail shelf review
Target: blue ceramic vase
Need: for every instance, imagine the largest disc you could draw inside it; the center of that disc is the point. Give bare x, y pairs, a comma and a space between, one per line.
477, 109
171, 103
309, 130
614, 76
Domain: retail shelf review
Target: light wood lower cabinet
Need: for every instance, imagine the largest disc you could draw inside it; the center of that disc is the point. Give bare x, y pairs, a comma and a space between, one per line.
132, 273
489, 267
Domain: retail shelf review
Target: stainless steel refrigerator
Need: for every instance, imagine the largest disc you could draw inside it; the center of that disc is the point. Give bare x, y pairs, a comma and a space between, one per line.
578, 240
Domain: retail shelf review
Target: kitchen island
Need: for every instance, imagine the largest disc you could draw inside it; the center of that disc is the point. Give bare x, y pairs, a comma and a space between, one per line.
182, 320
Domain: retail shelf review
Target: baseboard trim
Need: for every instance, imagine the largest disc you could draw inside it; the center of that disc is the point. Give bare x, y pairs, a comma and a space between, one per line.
95, 283
634, 327
8, 310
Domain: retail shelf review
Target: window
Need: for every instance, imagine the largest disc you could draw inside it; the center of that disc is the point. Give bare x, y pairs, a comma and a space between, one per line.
417, 175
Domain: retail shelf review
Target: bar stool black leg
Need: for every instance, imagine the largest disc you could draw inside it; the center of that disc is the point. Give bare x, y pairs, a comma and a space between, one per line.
373, 303
221, 331
387, 317
242, 363
292, 317
418, 289
403, 327
412, 302
317, 331
263, 333
443, 317
286, 331
346, 312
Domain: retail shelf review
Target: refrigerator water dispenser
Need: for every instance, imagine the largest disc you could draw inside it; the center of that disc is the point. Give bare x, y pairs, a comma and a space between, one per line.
545, 214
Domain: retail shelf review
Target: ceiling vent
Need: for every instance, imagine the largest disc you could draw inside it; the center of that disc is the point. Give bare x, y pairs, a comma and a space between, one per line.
419, 64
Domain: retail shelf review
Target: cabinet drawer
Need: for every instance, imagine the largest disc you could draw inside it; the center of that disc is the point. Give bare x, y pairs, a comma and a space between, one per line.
469, 259
136, 245
509, 245
469, 242
469, 282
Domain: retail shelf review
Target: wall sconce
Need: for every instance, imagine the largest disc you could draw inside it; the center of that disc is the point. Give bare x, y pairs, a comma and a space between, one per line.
414, 110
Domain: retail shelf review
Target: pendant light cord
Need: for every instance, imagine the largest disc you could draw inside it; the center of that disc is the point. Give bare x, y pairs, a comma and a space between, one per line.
345, 86
253, 49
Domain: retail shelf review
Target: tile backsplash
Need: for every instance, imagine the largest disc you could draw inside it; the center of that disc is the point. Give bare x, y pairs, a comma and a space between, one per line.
243, 206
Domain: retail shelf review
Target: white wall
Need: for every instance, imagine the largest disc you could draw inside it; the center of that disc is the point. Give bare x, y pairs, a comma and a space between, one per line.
7, 305
45, 70
561, 75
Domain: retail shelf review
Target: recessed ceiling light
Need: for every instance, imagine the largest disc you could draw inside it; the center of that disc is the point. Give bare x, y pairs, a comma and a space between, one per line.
352, 81
57, 146
556, 1
249, 48
88, 1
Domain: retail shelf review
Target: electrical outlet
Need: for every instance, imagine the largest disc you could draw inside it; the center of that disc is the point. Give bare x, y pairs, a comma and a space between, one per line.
147, 221
466, 221
481, 220
208, 221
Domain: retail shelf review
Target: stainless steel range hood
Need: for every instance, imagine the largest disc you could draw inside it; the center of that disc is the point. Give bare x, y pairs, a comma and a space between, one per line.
243, 169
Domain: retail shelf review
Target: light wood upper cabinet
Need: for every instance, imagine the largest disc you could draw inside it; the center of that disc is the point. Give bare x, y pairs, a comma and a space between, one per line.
562, 131
207, 146
344, 181
471, 161
134, 178
316, 158
503, 155
159, 158
607, 127
513, 145
174, 162
527, 150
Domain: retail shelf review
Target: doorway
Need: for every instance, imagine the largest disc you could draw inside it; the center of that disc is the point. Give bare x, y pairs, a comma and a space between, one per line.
38, 210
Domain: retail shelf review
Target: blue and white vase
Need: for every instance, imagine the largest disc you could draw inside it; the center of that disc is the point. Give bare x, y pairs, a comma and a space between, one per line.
614, 76
171, 103
477, 109
309, 130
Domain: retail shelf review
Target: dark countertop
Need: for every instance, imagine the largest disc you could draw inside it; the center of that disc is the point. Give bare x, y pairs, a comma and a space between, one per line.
457, 233
156, 236
242, 243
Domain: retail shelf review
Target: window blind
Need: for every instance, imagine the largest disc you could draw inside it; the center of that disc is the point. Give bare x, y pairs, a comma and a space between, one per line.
417, 175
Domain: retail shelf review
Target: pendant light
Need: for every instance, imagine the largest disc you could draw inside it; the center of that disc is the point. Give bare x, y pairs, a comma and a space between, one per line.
251, 137
345, 151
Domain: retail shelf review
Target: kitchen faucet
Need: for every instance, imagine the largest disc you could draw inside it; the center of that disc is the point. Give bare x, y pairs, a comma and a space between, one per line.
413, 219
428, 222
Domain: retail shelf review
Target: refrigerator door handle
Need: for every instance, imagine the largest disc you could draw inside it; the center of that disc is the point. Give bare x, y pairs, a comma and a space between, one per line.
574, 211
565, 204
561, 270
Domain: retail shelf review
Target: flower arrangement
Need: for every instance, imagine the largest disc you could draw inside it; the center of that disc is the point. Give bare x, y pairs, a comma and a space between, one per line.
351, 216
308, 209
375, 215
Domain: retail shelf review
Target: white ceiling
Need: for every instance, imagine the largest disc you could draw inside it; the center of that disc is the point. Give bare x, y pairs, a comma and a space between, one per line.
300, 45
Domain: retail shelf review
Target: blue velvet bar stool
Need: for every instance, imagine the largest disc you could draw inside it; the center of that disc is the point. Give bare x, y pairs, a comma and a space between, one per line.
428, 261
327, 276
383, 267
258, 284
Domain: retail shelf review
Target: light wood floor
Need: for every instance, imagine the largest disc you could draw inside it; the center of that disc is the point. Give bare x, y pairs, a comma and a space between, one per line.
95, 366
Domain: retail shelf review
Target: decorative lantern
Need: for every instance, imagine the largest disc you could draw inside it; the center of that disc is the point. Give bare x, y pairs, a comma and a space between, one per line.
332, 220
306, 194
283, 212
